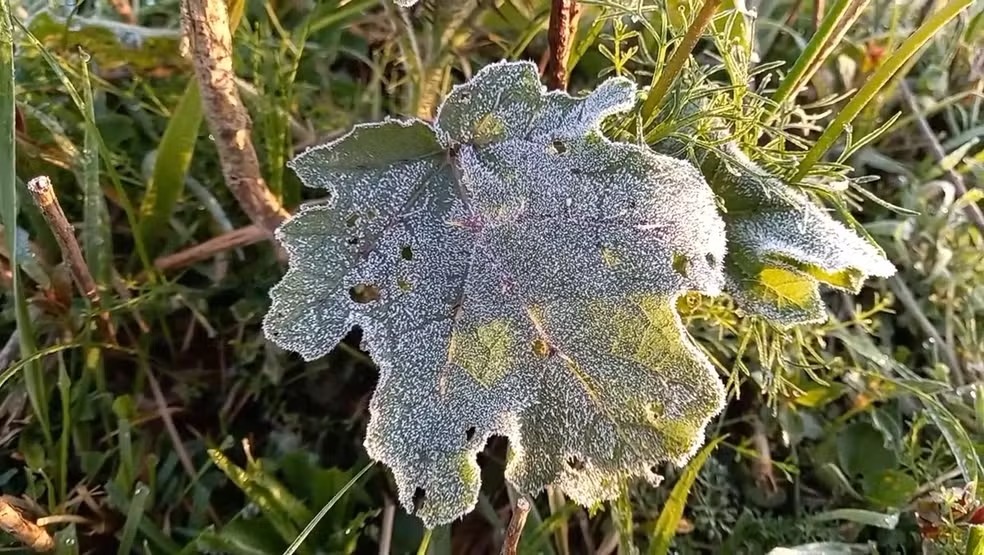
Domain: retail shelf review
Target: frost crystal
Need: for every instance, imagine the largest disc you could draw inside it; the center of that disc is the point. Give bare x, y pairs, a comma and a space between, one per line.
514, 273
781, 245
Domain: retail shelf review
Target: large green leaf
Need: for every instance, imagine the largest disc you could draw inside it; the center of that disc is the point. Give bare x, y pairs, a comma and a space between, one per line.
514, 273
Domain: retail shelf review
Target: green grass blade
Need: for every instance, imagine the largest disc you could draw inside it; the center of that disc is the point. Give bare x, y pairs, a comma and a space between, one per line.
293, 547
835, 24
877, 81
33, 378
669, 517
166, 184
425, 542
134, 514
96, 242
623, 522
64, 442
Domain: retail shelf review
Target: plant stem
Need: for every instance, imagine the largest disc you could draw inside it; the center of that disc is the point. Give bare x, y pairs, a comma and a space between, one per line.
908, 299
206, 23
878, 79
563, 23
425, 541
972, 210
829, 34
668, 75
407, 41
515, 529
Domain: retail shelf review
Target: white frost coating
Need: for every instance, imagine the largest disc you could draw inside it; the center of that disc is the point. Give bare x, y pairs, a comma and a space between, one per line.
524, 272
770, 224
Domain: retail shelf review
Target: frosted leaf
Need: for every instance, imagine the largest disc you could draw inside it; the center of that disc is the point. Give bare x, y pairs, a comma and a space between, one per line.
514, 273
782, 246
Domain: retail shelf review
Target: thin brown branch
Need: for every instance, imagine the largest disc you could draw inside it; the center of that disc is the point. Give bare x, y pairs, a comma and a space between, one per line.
44, 196
515, 528
172, 430
206, 24
203, 251
972, 211
563, 26
26, 531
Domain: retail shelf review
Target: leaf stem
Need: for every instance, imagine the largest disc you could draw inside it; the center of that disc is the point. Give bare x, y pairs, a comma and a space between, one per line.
668, 75
878, 79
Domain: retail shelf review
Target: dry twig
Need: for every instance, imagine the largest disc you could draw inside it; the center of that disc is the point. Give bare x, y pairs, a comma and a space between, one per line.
563, 25
26, 531
44, 196
516, 524
203, 251
206, 24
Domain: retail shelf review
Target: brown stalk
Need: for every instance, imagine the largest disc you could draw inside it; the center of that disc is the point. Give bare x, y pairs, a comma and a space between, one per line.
563, 25
26, 531
203, 251
515, 528
206, 25
44, 196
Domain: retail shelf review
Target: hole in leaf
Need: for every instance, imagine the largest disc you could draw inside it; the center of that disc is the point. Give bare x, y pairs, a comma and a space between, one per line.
419, 495
406, 253
470, 433
711, 259
403, 284
575, 463
654, 469
364, 293
353, 241
680, 264
352, 220
542, 349
558, 146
